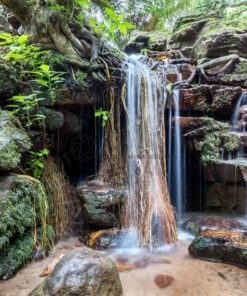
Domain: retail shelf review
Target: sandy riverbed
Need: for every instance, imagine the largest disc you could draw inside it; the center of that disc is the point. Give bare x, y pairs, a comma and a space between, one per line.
192, 277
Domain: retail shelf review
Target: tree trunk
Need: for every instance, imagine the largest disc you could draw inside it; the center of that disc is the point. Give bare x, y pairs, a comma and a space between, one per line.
54, 29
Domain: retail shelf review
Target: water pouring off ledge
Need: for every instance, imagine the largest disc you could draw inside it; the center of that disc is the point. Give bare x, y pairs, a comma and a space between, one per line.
148, 211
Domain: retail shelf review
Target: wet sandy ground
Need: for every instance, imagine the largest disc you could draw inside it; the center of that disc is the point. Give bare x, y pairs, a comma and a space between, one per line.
192, 277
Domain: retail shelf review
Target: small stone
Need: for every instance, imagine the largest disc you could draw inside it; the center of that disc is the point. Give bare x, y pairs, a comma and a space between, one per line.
163, 280
141, 263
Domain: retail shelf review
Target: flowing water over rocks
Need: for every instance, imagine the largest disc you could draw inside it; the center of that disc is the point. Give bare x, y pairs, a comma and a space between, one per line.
148, 209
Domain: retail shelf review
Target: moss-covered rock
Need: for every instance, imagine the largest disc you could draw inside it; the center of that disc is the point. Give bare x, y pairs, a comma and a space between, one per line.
221, 38
237, 77
146, 40
230, 142
21, 206
221, 240
19, 252
101, 203
13, 141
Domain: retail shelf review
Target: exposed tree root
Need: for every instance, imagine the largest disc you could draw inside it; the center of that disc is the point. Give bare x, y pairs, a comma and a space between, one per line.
200, 71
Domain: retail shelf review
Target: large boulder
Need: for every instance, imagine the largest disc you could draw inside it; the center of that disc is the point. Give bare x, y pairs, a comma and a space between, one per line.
13, 141
187, 30
82, 272
100, 203
146, 40
221, 239
220, 41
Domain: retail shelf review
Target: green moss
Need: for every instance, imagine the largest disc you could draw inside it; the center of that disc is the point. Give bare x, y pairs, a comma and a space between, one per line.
16, 208
210, 140
230, 142
13, 141
19, 252
23, 209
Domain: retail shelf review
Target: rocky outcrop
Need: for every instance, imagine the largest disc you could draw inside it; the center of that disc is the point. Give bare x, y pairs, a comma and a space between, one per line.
100, 203
216, 42
220, 239
146, 40
82, 272
13, 141
208, 36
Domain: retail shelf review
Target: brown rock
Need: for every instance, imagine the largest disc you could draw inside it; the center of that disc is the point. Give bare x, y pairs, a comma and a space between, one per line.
163, 280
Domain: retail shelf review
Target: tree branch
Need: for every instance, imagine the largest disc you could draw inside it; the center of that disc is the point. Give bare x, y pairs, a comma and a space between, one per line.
20, 8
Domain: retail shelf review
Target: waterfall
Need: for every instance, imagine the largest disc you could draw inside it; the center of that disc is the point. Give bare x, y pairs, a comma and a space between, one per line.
236, 114
178, 163
148, 212
176, 153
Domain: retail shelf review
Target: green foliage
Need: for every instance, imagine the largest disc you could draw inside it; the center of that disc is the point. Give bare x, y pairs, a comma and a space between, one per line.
81, 78
112, 25
36, 163
38, 76
104, 115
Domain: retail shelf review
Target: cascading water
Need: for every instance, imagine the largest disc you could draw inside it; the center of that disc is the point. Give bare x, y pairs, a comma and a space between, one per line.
176, 157
238, 124
148, 210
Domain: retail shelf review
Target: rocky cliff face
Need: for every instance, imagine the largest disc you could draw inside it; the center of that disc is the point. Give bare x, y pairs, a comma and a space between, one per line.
210, 54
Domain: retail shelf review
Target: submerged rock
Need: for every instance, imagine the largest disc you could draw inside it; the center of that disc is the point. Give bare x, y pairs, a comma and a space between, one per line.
220, 239
101, 203
13, 141
162, 280
82, 272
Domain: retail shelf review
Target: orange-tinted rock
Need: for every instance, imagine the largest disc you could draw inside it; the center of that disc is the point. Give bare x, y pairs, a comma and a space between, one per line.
162, 280
221, 239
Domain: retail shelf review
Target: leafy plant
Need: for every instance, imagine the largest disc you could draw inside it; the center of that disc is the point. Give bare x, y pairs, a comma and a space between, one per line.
36, 163
112, 25
48, 79
34, 73
24, 106
104, 115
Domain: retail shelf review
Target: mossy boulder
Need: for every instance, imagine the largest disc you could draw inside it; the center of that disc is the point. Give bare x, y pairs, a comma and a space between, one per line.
154, 41
21, 203
225, 99
82, 272
101, 203
215, 98
220, 38
237, 77
187, 29
13, 141
221, 239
